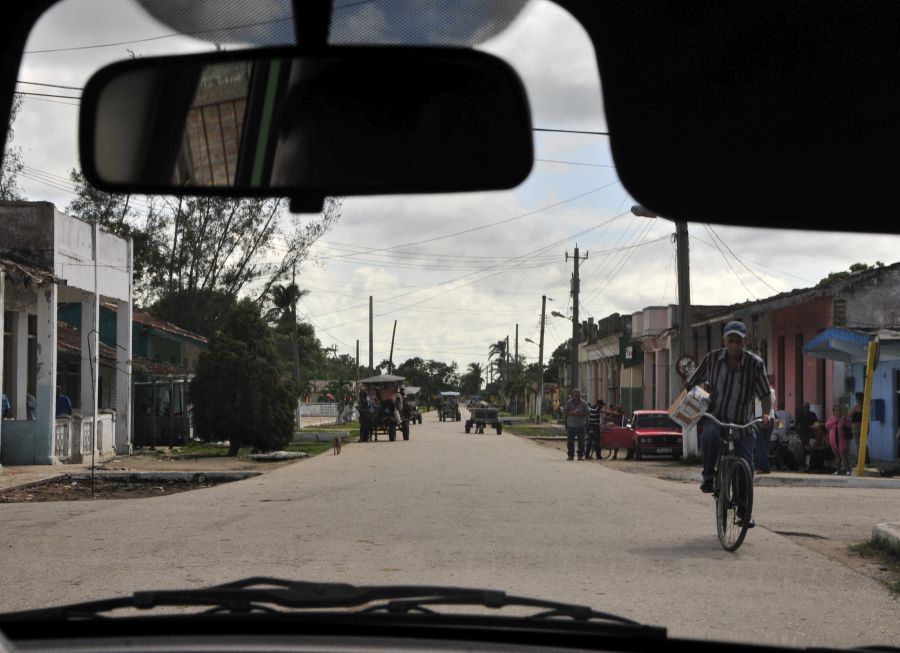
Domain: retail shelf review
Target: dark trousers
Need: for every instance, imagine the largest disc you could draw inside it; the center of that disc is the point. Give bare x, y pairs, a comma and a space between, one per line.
711, 443
571, 433
592, 442
761, 450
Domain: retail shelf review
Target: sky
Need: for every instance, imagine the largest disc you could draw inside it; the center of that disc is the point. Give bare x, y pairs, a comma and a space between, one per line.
457, 272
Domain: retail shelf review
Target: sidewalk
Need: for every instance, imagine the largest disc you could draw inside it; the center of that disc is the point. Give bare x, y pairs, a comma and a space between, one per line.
676, 471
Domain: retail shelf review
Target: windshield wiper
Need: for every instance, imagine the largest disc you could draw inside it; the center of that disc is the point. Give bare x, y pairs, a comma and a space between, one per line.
260, 594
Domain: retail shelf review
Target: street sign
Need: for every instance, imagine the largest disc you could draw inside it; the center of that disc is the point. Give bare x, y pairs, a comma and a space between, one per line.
685, 366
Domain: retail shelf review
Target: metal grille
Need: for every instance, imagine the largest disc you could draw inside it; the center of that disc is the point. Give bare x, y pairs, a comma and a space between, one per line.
86, 437
62, 440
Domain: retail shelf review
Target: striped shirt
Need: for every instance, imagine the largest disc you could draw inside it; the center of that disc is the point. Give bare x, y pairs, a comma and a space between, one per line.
732, 391
594, 415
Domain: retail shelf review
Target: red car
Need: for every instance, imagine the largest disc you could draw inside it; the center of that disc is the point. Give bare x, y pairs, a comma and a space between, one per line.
650, 433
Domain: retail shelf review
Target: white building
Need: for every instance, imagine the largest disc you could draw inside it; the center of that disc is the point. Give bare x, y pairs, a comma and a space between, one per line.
48, 257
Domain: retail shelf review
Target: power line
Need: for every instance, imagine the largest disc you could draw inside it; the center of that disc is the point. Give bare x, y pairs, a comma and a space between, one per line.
569, 131
773, 289
727, 262
73, 88
64, 97
494, 224
577, 163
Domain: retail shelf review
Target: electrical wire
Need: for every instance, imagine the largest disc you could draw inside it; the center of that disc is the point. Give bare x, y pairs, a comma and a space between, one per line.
728, 263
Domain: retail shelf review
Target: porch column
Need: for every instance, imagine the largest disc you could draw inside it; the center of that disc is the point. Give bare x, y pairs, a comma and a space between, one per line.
16, 394
45, 393
90, 342
662, 372
124, 439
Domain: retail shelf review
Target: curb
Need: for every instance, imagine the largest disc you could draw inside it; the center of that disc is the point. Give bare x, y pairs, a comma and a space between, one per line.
888, 534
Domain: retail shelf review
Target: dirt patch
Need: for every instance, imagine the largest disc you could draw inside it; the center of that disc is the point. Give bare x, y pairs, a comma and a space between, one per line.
69, 488
163, 463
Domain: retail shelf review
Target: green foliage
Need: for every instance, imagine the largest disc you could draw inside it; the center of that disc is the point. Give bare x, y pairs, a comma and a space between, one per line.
845, 274
432, 376
12, 163
471, 381
242, 391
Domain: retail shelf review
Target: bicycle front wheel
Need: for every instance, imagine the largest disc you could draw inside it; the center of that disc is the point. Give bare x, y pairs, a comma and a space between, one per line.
734, 504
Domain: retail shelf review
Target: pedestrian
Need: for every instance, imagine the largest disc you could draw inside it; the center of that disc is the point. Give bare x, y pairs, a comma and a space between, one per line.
30, 406
839, 436
735, 378
4, 406
594, 429
364, 407
575, 413
856, 415
63, 403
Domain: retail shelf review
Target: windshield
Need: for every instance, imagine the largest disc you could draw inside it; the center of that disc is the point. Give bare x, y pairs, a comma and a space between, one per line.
221, 347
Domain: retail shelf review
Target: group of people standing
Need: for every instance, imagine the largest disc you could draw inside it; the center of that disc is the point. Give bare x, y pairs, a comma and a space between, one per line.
584, 424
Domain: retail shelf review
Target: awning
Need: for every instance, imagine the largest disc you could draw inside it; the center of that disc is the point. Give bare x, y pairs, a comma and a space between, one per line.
412, 390
383, 378
852, 346
449, 393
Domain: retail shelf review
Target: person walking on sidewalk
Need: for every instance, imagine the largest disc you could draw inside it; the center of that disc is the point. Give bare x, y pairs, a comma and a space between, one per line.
735, 378
575, 413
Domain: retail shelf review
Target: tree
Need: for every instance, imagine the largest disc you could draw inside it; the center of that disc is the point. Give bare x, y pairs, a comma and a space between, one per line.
12, 163
192, 247
242, 392
471, 381
284, 313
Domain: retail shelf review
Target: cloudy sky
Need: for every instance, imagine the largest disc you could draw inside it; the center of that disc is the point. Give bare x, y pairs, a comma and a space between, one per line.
457, 272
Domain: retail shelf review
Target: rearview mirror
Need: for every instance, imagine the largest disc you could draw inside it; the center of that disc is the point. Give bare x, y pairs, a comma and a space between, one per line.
344, 121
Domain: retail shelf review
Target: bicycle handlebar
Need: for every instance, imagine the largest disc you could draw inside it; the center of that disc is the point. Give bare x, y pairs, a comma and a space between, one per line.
729, 424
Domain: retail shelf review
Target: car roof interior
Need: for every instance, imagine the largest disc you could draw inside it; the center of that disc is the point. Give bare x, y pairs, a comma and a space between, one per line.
768, 113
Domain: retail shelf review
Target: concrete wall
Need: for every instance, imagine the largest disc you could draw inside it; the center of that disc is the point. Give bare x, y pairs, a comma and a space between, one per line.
74, 259
882, 444
28, 228
24, 443
873, 302
802, 322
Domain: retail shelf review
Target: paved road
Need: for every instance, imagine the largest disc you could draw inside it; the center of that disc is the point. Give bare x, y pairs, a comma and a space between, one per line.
486, 510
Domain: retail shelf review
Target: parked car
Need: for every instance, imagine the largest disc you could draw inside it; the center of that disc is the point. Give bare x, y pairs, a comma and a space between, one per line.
649, 433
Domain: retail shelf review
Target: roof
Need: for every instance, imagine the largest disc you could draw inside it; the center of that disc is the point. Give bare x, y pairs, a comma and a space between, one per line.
802, 295
851, 346
69, 339
25, 275
412, 390
160, 325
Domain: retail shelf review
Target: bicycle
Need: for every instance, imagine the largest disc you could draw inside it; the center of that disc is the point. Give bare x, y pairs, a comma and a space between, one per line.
732, 488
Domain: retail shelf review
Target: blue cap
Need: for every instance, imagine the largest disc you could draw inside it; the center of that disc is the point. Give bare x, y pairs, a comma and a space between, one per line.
735, 327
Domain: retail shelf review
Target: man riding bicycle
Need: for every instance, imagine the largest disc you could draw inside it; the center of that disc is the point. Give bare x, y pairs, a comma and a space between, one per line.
735, 378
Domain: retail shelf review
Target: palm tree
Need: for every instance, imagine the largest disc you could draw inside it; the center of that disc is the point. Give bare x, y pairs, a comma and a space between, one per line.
498, 349
284, 300
470, 382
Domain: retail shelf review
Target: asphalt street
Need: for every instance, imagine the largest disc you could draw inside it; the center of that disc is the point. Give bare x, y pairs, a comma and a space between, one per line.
477, 510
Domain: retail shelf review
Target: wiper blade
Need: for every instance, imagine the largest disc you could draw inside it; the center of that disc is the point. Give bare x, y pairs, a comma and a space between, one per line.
261, 593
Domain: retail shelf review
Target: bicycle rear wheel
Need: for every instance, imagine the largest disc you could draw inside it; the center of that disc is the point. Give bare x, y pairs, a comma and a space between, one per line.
734, 504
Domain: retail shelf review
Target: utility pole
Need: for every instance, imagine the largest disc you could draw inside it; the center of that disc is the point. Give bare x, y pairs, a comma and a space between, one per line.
391, 357
294, 317
516, 366
683, 314
576, 327
357, 365
371, 345
540, 398
684, 287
